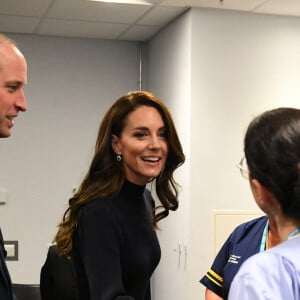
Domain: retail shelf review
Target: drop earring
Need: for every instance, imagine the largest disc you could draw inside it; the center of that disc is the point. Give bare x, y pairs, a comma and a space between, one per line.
119, 157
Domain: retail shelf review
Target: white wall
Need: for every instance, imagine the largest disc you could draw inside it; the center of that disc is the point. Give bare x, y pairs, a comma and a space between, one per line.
169, 63
71, 83
240, 64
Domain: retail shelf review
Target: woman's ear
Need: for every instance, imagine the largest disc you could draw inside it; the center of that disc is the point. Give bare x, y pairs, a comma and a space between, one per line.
115, 144
263, 197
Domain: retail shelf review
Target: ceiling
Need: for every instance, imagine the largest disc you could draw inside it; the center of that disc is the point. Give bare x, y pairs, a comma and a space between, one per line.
133, 22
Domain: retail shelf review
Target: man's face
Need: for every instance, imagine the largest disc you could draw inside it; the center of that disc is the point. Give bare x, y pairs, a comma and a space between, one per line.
13, 76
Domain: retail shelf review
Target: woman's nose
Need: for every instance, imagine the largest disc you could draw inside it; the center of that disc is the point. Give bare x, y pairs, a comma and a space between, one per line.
154, 142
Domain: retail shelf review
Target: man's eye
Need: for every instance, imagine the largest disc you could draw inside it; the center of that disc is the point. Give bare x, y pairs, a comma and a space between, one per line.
12, 88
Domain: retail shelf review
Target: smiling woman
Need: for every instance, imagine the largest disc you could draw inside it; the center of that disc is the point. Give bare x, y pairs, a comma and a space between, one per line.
108, 229
142, 145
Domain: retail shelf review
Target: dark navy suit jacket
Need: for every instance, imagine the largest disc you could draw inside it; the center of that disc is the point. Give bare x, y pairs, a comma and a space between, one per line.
5, 281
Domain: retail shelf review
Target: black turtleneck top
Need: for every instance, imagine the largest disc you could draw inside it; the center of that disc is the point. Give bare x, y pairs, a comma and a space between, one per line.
115, 247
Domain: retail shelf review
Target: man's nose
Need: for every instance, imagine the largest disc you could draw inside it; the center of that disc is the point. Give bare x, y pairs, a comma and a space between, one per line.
21, 102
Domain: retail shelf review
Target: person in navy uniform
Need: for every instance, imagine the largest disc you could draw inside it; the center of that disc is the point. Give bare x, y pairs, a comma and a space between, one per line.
247, 239
272, 154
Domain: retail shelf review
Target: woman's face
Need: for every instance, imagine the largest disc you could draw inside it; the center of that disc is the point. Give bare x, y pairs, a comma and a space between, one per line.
142, 145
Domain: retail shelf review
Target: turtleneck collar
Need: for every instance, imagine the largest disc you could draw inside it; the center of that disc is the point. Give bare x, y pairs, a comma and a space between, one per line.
131, 189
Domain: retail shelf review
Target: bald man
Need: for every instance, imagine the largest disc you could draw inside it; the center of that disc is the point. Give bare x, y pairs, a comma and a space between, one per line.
13, 77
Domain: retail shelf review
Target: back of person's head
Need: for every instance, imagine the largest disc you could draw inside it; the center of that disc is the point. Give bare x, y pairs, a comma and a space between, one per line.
272, 150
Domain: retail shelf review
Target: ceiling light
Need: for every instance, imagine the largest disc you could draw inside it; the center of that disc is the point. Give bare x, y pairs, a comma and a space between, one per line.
140, 2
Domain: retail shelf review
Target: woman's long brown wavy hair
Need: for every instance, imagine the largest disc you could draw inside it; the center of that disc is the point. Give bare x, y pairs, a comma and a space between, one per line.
105, 176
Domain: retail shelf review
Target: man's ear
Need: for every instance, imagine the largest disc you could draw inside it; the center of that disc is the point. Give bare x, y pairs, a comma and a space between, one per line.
115, 144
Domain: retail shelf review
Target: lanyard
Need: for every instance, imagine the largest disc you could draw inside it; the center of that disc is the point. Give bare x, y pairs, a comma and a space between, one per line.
294, 233
264, 239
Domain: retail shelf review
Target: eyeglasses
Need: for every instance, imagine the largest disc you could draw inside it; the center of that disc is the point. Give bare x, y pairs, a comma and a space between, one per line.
243, 168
